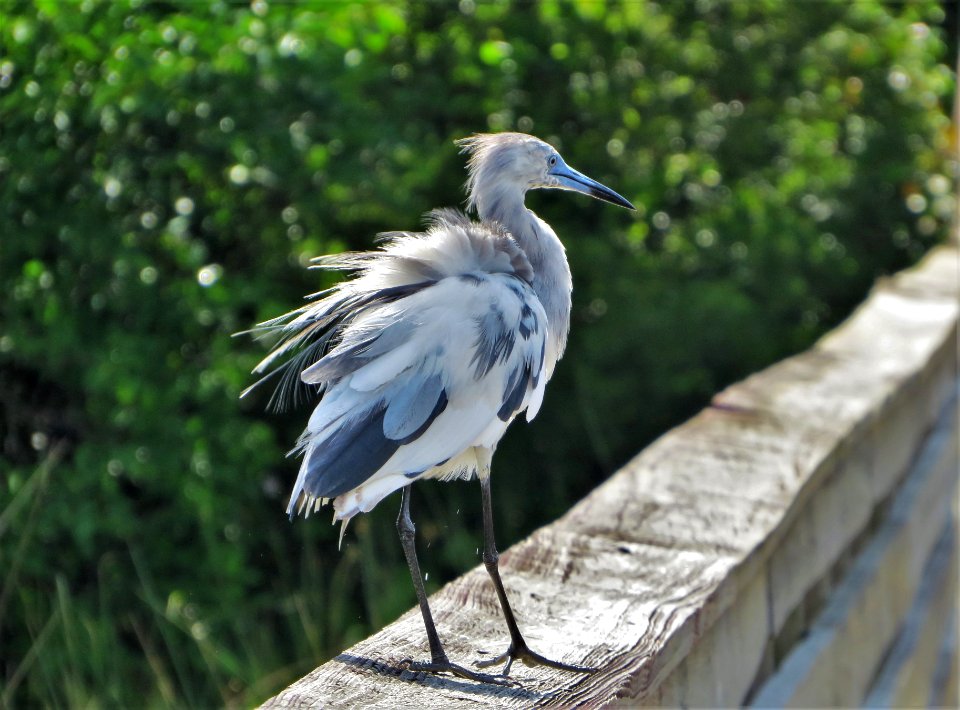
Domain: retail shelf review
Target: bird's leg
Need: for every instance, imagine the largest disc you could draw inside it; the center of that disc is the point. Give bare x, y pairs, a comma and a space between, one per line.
439, 663
518, 648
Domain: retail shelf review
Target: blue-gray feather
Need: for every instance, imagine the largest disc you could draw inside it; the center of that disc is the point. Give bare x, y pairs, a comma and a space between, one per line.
495, 341
517, 386
335, 366
350, 456
413, 406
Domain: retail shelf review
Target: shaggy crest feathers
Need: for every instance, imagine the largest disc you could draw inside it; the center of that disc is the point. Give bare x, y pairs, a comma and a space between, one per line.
495, 166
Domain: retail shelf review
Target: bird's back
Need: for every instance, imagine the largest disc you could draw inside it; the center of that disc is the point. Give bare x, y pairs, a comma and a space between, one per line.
423, 359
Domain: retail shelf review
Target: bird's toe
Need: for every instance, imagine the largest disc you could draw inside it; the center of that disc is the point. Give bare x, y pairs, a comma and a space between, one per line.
528, 657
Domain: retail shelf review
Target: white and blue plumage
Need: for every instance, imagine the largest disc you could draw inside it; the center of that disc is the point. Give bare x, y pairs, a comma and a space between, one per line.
441, 341
425, 357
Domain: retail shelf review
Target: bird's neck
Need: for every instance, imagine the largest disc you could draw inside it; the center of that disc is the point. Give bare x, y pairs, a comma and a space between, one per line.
552, 281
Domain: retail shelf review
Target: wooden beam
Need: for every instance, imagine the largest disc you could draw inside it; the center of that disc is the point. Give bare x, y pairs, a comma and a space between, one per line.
838, 659
907, 676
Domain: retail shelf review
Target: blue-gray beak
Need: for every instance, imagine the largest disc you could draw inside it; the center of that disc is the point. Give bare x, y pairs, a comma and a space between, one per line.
571, 179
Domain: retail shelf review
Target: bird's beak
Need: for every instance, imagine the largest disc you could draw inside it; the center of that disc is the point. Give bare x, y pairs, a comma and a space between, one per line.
570, 179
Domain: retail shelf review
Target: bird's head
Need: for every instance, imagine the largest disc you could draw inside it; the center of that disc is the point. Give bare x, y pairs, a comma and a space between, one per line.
504, 164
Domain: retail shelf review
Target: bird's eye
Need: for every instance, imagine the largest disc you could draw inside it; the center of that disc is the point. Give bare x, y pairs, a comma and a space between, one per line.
553, 161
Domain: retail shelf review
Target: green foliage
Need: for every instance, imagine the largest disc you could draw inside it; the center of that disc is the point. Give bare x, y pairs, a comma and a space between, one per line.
166, 171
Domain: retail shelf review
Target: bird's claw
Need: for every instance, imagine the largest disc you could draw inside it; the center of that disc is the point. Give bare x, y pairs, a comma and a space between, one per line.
446, 666
520, 651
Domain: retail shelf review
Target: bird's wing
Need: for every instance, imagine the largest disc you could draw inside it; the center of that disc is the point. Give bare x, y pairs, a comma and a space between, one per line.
416, 381
406, 263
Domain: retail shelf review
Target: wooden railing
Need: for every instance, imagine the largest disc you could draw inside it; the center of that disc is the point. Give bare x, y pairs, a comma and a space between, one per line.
792, 544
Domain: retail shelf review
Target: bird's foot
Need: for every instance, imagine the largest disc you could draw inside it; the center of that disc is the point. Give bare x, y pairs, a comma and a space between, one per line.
445, 666
519, 650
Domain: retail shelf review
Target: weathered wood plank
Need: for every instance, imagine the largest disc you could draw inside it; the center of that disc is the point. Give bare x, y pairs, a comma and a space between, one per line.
720, 668
945, 692
834, 665
906, 678
838, 512
671, 550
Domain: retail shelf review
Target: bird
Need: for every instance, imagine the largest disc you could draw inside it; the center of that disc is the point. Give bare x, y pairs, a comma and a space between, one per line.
428, 353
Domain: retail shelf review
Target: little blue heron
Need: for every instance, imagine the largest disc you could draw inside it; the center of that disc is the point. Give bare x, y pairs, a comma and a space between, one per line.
425, 357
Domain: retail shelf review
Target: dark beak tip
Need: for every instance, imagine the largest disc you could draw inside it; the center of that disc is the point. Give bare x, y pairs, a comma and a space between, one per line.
607, 195
615, 199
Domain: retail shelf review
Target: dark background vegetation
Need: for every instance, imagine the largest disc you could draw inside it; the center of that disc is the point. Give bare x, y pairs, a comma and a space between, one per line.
167, 169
